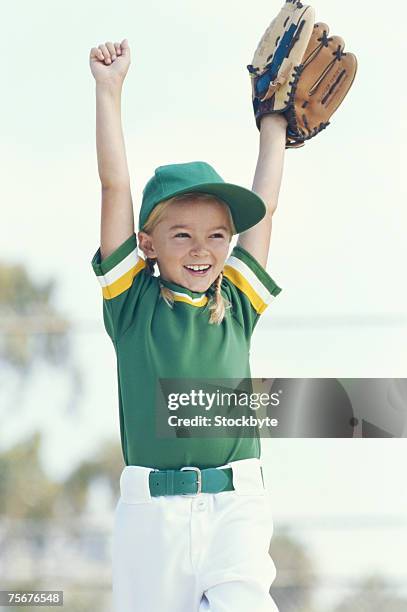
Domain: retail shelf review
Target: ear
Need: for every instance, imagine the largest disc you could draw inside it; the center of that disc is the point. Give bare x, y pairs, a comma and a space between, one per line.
145, 243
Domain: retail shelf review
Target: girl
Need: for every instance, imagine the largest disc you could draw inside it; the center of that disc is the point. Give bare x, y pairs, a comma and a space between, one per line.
193, 523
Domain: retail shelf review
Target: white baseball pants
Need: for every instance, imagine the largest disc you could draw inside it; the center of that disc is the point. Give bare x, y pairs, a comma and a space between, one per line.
193, 553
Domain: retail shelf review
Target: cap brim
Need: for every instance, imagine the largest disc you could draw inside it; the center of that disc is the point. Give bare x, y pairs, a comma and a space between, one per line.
247, 207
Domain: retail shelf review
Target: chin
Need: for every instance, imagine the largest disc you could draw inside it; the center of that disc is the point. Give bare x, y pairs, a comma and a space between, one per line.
201, 286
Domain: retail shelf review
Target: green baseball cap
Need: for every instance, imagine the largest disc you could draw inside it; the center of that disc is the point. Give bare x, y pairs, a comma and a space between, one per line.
246, 207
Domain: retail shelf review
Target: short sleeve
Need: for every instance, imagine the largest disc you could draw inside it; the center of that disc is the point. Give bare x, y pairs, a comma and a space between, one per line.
123, 279
250, 288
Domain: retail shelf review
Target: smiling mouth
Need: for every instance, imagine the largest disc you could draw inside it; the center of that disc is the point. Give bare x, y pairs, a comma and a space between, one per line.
198, 272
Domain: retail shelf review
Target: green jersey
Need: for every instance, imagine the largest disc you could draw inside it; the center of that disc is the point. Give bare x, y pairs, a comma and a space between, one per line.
153, 340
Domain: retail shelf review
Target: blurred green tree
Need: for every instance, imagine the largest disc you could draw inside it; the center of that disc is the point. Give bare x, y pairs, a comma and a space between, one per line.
31, 331
31, 327
25, 490
373, 594
106, 464
296, 578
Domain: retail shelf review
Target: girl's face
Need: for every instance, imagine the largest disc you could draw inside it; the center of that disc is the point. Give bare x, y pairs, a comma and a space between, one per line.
190, 234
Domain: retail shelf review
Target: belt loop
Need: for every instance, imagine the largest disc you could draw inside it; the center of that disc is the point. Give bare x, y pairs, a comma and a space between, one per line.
170, 481
247, 476
134, 484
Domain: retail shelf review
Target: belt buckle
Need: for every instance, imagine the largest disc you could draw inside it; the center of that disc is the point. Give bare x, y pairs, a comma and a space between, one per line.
199, 478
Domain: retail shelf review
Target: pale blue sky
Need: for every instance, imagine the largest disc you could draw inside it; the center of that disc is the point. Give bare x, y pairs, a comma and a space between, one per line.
338, 245
338, 233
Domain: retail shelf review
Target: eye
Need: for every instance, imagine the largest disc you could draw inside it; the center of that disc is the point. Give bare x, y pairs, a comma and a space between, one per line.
218, 235
181, 234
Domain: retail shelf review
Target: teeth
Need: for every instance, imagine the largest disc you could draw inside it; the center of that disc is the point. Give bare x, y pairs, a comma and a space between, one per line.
198, 267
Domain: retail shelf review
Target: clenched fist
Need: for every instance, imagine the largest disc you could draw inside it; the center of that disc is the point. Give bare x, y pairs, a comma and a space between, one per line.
110, 62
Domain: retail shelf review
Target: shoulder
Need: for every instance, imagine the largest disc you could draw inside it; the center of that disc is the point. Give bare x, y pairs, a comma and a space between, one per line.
244, 273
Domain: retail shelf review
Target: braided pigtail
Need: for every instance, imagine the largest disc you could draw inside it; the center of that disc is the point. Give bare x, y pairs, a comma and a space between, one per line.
217, 303
165, 292
167, 295
150, 265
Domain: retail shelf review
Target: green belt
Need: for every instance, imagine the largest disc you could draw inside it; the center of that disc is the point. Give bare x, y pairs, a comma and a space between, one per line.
190, 480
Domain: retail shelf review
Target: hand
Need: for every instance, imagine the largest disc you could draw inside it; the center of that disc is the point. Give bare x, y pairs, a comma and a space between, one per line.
109, 63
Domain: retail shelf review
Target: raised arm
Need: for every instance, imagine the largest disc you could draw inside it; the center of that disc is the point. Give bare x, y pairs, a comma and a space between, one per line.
266, 183
109, 65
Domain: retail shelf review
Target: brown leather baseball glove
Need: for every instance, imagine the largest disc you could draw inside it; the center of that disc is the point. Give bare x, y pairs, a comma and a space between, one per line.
300, 71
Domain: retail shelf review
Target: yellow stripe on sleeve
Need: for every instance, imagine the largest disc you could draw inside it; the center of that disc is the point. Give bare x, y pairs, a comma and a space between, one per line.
123, 282
241, 283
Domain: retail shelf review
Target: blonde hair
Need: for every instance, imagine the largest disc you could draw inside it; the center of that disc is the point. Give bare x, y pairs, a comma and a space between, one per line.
217, 304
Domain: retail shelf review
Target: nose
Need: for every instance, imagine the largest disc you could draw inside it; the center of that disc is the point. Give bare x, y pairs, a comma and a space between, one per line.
198, 248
